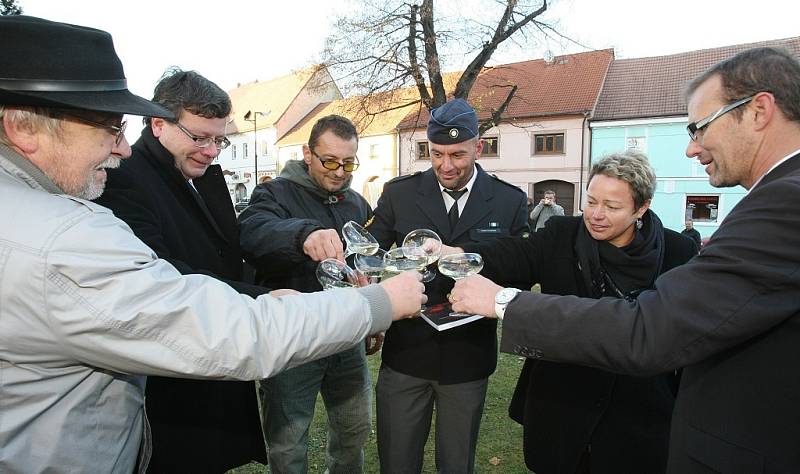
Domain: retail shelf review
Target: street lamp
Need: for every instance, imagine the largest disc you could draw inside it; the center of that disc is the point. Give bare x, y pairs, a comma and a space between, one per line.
254, 114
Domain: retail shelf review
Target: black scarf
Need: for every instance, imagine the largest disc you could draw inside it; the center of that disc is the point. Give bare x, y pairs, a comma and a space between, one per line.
623, 272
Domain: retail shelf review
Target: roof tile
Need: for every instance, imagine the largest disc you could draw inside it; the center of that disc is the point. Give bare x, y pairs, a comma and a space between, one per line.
567, 84
654, 86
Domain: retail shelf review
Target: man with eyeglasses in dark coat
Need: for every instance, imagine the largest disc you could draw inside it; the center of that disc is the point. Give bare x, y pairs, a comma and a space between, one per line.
176, 201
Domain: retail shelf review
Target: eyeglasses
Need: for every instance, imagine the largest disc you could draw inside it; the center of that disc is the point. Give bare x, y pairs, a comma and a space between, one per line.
695, 128
349, 166
205, 142
117, 130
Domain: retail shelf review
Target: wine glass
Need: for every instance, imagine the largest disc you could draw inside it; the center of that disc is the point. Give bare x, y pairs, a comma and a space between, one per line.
358, 240
371, 266
427, 243
332, 273
458, 266
401, 259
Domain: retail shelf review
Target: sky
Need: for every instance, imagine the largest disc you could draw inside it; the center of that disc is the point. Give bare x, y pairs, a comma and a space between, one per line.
238, 41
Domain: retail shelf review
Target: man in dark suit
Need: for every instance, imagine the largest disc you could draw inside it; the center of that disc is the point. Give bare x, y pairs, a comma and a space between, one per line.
731, 316
177, 203
422, 367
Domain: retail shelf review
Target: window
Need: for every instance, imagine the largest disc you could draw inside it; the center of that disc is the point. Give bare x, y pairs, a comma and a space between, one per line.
233, 152
244, 150
636, 143
373, 152
549, 144
490, 146
423, 152
702, 208
293, 155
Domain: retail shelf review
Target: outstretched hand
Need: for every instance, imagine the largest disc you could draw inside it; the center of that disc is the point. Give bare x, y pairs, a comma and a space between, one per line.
322, 244
406, 293
474, 295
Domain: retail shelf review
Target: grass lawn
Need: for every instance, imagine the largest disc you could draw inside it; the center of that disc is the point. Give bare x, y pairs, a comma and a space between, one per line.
499, 443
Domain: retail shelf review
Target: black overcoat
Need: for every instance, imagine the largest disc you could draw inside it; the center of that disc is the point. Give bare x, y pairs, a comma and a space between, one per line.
730, 317
198, 425
566, 408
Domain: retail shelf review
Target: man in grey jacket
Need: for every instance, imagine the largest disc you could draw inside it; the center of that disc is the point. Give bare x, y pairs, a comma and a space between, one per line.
546, 209
88, 309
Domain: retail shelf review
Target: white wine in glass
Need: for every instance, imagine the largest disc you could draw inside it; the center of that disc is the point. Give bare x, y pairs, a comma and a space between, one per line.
425, 243
362, 248
372, 266
358, 240
401, 259
460, 265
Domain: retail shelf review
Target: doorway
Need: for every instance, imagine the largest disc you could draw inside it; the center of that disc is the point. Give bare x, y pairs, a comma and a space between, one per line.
565, 193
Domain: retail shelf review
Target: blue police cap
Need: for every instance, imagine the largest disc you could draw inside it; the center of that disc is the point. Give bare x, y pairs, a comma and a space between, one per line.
454, 122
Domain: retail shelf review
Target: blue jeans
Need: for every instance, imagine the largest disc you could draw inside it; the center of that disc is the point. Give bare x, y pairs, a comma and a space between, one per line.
288, 409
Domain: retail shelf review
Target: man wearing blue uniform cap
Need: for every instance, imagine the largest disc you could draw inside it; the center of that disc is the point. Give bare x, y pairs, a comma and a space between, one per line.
422, 367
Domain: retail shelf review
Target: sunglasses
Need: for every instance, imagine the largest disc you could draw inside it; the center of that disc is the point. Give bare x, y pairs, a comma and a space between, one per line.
333, 165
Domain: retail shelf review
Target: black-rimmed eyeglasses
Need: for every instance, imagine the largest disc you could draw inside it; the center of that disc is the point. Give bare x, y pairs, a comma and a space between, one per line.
333, 165
205, 142
694, 128
117, 130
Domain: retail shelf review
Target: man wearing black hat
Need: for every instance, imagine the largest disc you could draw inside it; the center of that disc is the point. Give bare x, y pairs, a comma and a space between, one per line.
422, 367
86, 306
176, 201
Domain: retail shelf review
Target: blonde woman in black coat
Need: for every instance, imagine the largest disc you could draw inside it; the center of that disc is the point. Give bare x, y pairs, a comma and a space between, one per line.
579, 419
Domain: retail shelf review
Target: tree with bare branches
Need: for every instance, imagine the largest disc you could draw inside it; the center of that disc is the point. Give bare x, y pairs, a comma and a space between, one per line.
10, 7
389, 47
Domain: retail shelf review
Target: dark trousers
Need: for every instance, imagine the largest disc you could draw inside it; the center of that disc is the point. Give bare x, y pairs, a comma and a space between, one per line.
404, 410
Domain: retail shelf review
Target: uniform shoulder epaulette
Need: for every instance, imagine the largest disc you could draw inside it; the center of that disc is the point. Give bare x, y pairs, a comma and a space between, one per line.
514, 186
403, 177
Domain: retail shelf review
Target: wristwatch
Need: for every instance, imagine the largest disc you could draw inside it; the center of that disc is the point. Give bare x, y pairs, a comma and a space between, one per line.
501, 300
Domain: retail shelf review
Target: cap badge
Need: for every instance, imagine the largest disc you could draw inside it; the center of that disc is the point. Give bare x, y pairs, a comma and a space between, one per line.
453, 133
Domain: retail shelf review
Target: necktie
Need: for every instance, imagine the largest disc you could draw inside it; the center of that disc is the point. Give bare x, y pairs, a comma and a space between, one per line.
453, 214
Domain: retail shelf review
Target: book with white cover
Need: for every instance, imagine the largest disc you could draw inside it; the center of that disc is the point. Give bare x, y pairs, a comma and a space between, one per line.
441, 317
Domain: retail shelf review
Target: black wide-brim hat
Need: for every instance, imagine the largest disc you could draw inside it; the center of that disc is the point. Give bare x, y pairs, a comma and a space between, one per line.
48, 64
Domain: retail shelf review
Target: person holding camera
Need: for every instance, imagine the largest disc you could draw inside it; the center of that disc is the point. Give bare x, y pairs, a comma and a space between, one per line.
546, 209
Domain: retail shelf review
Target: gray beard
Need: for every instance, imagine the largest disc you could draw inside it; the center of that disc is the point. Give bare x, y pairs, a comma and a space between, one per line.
93, 189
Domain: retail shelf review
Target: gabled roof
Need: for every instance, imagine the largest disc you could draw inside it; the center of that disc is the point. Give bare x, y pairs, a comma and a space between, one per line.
369, 122
565, 85
654, 86
272, 97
